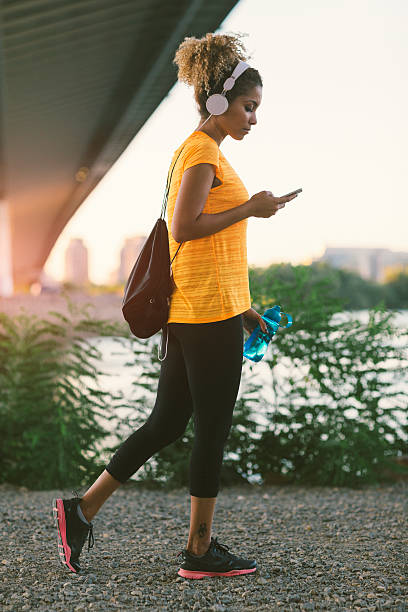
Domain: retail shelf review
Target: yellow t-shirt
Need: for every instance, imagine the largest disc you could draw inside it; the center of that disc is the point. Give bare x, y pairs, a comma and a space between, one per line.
210, 274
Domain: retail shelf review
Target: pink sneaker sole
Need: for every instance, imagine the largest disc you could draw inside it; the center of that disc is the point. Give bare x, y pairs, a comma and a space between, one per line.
198, 574
64, 550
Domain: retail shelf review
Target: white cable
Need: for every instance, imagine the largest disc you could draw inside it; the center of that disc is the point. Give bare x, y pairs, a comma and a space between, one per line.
203, 123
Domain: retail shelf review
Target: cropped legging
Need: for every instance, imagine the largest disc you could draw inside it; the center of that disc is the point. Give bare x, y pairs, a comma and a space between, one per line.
200, 376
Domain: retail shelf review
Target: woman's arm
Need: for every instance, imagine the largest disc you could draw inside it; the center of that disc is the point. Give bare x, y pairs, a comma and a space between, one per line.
189, 222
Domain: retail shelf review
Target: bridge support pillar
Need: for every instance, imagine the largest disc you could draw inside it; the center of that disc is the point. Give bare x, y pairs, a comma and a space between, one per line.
6, 270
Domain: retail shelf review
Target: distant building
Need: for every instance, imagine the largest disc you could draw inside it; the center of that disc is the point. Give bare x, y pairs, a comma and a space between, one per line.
76, 262
372, 264
113, 277
128, 255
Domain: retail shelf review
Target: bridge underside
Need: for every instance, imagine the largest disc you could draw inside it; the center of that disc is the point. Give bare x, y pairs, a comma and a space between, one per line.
78, 79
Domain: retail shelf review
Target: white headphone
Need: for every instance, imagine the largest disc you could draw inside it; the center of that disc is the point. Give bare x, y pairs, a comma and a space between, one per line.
217, 104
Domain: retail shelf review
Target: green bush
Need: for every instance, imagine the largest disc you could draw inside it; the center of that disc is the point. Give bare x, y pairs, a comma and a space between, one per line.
397, 291
51, 411
336, 416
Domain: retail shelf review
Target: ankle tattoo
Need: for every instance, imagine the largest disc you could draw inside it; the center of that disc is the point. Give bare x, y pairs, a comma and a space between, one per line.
202, 530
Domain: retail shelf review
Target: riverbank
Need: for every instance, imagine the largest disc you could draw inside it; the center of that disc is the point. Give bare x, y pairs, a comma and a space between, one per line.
316, 548
104, 306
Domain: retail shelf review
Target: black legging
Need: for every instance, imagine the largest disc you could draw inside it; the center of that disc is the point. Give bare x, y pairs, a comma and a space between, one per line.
200, 375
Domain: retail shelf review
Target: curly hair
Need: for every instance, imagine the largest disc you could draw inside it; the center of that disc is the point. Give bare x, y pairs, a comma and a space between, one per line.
206, 62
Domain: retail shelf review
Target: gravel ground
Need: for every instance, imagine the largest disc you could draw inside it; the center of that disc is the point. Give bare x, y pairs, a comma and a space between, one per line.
316, 548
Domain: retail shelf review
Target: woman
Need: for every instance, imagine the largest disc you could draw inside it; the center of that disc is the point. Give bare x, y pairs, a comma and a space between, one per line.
208, 208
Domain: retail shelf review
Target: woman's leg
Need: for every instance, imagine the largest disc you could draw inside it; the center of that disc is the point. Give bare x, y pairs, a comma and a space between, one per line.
213, 354
201, 518
166, 423
97, 494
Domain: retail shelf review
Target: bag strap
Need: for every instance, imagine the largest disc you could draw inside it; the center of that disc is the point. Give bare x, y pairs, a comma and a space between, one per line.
166, 194
165, 330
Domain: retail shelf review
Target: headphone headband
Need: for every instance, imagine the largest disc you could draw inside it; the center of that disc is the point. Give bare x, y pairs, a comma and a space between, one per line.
238, 70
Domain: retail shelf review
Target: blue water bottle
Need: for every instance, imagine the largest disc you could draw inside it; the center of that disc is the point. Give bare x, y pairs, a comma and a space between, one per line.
257, 343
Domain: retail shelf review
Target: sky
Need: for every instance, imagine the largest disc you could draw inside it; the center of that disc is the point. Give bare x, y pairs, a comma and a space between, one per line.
333, 120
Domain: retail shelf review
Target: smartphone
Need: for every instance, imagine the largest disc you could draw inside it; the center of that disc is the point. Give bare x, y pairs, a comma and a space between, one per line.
291, 193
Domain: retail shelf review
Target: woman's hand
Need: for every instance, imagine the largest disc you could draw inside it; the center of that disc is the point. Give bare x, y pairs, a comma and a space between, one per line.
265, 204
250, 319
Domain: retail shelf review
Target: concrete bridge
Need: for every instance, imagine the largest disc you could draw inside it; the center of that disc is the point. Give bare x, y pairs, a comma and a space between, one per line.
78, 79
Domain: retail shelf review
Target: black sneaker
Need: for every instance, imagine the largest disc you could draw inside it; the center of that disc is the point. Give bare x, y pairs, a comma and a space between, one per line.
217, 561
71, 531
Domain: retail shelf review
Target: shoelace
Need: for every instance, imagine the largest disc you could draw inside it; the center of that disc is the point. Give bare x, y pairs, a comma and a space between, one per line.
221, 547
217, 545
91, 539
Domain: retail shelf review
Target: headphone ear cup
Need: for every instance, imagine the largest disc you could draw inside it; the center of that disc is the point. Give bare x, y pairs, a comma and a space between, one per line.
217, 104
